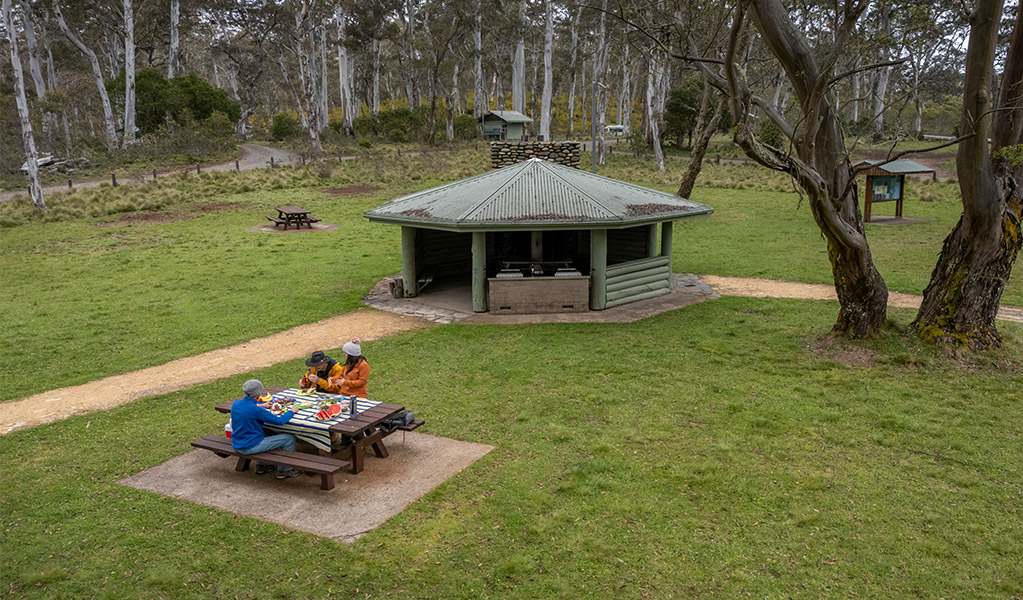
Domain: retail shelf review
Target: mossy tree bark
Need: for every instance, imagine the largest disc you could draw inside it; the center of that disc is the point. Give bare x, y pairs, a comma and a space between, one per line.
819, 162
961, 301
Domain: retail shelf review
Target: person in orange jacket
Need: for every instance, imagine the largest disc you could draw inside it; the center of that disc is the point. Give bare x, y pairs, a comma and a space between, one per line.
321, 369
354, 373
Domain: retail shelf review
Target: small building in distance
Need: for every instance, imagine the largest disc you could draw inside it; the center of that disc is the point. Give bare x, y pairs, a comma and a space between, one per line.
886, 182
504, 125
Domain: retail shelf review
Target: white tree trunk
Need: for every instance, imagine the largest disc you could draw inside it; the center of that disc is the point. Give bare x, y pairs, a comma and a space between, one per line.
35, 188
97, 73
572, 71
173, 64
548, 74
51, 84
655, 78
324, 90
129, 74
453, 104
599, 71
480, 102
519, 64
306, 52
377, 49
854, 105
881, 91
623, 91
345, 75
34, 64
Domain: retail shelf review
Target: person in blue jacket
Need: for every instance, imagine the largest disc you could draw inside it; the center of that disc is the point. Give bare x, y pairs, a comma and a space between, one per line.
247, 437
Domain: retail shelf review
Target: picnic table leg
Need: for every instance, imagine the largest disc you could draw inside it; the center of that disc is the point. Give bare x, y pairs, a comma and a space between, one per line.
243, 464
358, 459
327, 481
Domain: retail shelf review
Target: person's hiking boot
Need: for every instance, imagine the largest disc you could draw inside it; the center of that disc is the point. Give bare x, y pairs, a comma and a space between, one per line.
264, 469
288, 474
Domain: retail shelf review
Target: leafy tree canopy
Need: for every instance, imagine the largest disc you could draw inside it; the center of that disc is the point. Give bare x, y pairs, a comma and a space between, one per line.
181, 99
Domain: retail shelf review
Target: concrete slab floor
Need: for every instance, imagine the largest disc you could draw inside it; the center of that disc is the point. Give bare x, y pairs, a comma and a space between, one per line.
357, 504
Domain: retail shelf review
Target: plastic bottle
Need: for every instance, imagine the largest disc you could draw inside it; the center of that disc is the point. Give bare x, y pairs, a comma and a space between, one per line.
227, 429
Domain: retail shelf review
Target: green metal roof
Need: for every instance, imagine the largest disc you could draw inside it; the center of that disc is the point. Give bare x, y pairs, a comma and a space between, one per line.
535, 194
900, 167
508, 116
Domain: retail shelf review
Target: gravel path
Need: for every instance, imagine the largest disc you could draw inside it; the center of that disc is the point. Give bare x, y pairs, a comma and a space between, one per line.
295, 343
250, 156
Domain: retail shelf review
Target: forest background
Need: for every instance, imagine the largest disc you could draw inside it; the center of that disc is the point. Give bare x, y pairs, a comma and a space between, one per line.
206, 74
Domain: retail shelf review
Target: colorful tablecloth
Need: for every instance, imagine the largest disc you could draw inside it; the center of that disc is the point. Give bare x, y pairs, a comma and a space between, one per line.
306, 426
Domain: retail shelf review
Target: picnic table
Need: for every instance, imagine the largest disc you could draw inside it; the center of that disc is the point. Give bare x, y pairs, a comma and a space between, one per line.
358, 431
292, 215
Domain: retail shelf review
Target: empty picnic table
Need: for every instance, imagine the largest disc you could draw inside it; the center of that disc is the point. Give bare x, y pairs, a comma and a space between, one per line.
292, 215
358, 431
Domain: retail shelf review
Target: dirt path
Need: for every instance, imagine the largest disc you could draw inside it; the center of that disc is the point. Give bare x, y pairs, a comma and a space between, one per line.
193, 370
330, 333
251, 156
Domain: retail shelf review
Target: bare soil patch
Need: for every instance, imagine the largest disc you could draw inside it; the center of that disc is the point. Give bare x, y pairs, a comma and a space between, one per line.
351, 190
843, 353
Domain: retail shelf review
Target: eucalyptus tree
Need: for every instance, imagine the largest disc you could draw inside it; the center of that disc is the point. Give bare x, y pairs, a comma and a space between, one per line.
76, 37
129, 73
961, 300
548, 71
242, 30
27, 139
443, 25
816, 156
174, 47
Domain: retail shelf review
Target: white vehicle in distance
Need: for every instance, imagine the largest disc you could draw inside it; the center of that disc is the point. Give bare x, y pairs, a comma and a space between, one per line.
615, 130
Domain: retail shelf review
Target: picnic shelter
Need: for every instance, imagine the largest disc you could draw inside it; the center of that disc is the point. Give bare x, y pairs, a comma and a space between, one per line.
539, 236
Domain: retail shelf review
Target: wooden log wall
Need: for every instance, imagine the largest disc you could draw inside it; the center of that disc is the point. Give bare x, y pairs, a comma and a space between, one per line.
503, 154
627, 244
638, 280
448, 252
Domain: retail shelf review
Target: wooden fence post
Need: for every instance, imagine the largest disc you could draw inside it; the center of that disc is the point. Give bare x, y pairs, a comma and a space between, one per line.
271, 161
154, 173
197, 171
113, 179
236, 167
69, 186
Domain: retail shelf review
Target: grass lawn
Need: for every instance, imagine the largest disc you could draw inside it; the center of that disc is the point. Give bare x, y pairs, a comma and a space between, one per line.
700, 451
704, 451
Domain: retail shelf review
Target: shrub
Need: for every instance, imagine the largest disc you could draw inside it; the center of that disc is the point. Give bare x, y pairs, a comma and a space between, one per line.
285, 126
772, 135
466, 127
364, 143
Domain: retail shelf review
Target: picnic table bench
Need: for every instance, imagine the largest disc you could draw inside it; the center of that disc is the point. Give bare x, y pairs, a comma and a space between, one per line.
292, 215
324, 466
357, 432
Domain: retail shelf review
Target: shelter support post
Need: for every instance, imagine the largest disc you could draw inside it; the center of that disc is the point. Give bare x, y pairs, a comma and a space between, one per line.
536, 246
598, 269
651, 240
666, 229
408, 261
479, 271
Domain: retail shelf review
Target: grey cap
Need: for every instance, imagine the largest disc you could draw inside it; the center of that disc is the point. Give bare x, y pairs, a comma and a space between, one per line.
253, 388
352, 349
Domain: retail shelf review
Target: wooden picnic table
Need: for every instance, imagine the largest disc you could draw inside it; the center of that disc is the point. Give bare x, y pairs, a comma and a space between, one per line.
293, 215
357, 431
